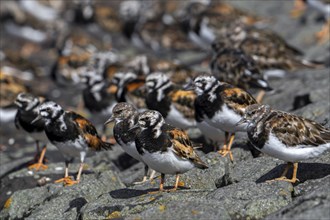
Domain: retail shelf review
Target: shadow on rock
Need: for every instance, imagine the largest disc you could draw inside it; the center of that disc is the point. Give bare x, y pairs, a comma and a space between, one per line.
306, 171
130, 193
77, 203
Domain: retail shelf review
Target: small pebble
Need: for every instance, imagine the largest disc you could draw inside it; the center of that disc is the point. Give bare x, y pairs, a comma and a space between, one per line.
11, 141
43, 181
9, 193
58, 168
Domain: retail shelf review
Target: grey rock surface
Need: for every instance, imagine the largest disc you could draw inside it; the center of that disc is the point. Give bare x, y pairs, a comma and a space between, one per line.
226, 190
256, 202
55, 201
315, 204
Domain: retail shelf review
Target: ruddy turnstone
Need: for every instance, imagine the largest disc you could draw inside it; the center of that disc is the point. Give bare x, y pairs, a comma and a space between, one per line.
239, 69
74, 54
179, 73
72, 134
164, 148
211, 20
175, 105
285, 136
221, 105
99, 96
323, 6
130, 88
267, 49
125, 116
27, 111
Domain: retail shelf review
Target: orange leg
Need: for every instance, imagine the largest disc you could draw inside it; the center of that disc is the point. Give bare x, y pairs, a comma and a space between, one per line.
260, 96
225, 143
39, 165
176, 183
298, 8
324, 34
161, 185
66, 178
283, 177
227, 148
70, 182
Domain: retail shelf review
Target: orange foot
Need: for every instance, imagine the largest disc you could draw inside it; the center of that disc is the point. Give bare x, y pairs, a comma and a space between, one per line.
38, 166
224, 151
283, 178
68, 181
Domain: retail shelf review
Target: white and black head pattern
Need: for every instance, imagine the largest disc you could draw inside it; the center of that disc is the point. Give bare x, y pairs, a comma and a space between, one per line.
255, 113
26, 101
158, 82
91, 78
120, 79
151, 120
205, 84
100, 60
139, 65
50, 111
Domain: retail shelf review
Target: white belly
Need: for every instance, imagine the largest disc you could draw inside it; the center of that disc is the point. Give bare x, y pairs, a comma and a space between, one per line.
226, 120
212, 133
130, 148
275, 148
7, 115
176, 119
70, 149
167, 162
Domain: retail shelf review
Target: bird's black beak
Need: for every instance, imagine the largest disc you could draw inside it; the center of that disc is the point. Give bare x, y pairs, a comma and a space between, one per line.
111, 119
36, 119
18, 104
134, 128
242, 121
189, 86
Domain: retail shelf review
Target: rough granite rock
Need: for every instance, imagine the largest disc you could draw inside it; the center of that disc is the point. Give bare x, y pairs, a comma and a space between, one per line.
224, 191
128, 202
39, 203
257, 202
313, 205
195, 209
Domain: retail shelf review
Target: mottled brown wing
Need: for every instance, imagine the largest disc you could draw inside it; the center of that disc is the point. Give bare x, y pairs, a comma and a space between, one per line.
184, 102
89, 133
237, 99
183, 147
294, 130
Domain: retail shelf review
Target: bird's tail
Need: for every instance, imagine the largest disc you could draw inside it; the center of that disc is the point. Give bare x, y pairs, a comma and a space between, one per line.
105, 146
200, 164
310, 64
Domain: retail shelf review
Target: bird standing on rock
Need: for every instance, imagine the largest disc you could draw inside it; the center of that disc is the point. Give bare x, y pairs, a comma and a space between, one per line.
221, 105
27, 111
125, 116
164, 148
285, 136
72, 134
175, 105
